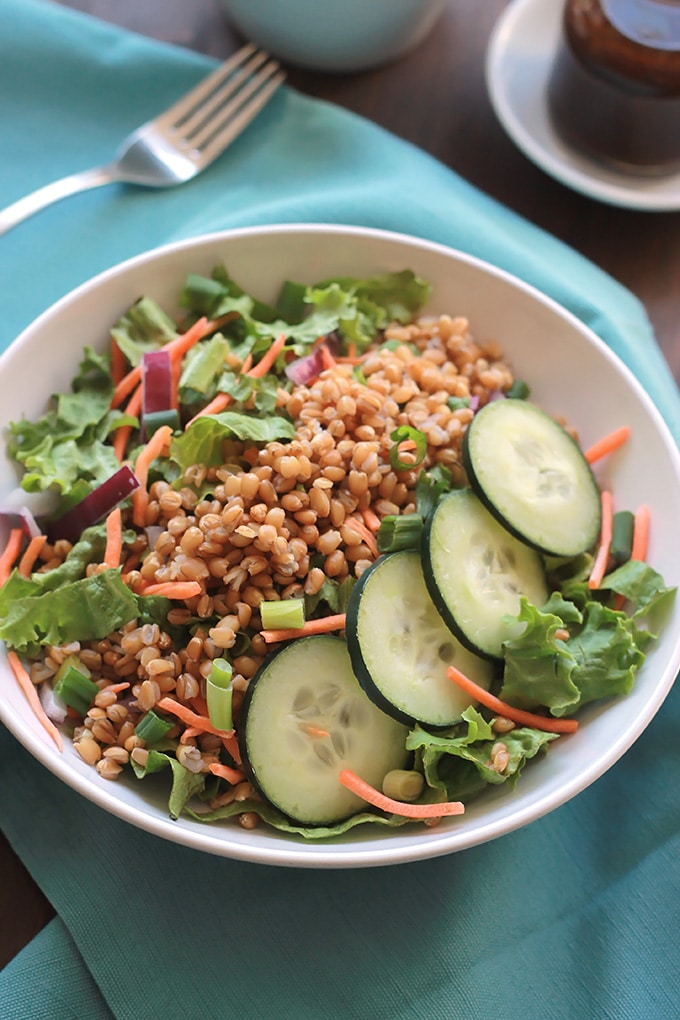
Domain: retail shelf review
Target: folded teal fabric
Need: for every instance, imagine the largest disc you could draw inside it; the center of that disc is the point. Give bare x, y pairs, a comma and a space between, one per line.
572, 917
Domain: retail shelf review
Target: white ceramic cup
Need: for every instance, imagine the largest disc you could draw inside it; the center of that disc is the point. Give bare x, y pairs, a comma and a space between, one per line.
335, 35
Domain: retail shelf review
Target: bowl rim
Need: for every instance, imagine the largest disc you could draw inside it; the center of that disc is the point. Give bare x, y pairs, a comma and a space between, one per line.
312, 855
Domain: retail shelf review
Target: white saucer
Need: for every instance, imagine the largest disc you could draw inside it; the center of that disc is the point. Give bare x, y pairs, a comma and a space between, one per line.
518, 62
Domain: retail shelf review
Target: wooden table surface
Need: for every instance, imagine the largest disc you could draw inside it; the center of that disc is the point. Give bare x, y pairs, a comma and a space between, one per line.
436, 98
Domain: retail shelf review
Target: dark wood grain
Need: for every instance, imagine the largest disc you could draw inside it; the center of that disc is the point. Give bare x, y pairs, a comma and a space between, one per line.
435, 98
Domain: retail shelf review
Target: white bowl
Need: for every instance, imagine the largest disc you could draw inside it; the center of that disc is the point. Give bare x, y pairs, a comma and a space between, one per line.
546, 345
335, 35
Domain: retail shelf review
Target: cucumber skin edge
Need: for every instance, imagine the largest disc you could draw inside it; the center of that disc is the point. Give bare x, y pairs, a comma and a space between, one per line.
359, 666
438, 600
478, 490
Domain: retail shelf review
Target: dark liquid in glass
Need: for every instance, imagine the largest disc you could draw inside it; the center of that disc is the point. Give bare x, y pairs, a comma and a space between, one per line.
614, 90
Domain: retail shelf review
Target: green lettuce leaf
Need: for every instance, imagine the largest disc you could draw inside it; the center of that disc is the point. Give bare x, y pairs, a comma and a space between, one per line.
202, 441
82, 610
185, 784
144, 327
457, 763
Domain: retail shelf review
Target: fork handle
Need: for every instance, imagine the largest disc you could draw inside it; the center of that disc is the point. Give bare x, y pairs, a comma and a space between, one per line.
25, 207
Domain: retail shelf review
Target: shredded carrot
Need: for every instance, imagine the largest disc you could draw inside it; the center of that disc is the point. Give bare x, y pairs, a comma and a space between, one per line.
131, 563
368, 536
268, 358
118, 363
122, 435
173, 589
10, 553
232, 776
607, 444
352, 349
518, 715
117, 688
28, 687
325, 625
147, 455
640, 533
220, 402
247, 364
190, 718
27, 561
604, 545
189, 733
178, 347
126, 385
114, 538
314, 731
362, 789
371, 519
231, 744
327, 358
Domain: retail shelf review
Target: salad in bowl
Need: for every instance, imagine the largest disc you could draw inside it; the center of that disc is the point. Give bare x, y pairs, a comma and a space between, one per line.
319, 565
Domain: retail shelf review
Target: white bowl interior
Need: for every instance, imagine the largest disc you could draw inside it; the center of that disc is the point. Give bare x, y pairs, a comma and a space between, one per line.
571, 373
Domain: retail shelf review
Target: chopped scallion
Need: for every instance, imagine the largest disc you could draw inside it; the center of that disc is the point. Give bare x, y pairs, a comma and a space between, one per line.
73, 686
219, 691
519, 390
417, 442
397, 533
151, 728
282, 614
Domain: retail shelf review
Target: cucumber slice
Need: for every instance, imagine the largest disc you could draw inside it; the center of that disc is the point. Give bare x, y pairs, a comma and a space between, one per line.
475, 572
400, 647
306, 690
532, 476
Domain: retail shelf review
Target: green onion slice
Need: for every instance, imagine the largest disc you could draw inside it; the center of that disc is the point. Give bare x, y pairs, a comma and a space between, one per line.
219, 691
282, 614
397, 533
401, 435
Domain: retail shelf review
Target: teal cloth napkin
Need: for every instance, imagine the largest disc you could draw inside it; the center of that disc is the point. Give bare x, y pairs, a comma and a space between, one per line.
574, 916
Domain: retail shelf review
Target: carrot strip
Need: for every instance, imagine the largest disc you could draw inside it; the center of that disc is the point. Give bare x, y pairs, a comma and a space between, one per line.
232, 776
220, 402
173, 589
28, 687
327, 358
126, 385
640, 533
178, 347
189, 733
190, 718
231, 744
518, 715
322, 626
607, 444
147, 455
114, 538
368, 536
10, 553
27, 561
117, 688
362, 789
604, 545
371, 519
122, 435
268, 358
118, 363
314, 731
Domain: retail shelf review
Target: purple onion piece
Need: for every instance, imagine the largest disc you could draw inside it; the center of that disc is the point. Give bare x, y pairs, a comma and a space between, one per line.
157, 384
305, 369
96, 505
20, 517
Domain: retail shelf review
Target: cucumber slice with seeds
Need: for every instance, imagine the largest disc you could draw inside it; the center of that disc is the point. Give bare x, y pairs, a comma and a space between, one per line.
400, 647
532, 476
304, 719
476, 571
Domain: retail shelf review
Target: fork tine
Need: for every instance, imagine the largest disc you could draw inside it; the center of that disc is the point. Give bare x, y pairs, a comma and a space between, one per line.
186, 103
193, 120
244, 103
225, 132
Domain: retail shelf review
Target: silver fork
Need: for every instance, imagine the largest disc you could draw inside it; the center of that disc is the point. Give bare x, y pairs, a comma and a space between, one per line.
179, 143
